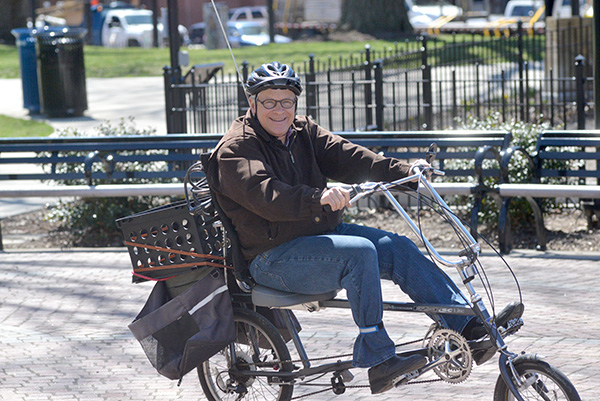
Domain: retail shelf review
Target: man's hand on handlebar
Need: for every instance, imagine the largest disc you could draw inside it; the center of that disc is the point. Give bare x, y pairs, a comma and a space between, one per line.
337, 198
421, 167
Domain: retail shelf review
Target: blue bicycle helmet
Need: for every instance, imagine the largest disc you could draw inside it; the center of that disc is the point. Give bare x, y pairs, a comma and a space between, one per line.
273, 76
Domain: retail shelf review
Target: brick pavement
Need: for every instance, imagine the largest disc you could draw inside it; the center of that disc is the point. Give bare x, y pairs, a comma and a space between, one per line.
64, 336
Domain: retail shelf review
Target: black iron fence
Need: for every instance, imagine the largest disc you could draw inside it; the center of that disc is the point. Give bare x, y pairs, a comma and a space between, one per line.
420, 84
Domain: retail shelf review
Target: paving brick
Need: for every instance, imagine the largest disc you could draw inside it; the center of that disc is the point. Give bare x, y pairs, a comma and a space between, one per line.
64, 336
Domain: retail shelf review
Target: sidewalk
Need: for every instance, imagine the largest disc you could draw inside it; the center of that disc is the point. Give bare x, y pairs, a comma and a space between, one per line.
109, 99
64, 336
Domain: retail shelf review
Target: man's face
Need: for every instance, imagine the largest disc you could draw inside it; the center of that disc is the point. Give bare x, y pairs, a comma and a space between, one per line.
275, 121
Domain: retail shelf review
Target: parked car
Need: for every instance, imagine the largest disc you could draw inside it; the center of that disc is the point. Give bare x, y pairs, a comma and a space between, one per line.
522, 8
251, 33
562, 9
197, 33
258, 13
433, 8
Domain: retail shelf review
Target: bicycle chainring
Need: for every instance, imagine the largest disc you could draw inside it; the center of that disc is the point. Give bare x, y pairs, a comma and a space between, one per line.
455, 351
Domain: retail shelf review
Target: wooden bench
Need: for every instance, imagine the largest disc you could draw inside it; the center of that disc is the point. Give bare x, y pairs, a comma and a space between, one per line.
565, 164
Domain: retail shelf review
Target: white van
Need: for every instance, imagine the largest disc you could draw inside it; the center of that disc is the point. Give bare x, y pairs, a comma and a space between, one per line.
128, 28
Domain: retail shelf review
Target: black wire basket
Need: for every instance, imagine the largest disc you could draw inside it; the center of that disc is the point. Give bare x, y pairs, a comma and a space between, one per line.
176, 238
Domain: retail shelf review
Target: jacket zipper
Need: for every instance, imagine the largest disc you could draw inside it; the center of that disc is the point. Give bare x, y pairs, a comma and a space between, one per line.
289, 149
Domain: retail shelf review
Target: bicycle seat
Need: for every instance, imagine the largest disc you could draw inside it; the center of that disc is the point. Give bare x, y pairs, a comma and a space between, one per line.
265, 296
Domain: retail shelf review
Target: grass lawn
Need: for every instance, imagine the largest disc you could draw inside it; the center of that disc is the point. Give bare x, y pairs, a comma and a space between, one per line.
101, 62
137, 62
15, 127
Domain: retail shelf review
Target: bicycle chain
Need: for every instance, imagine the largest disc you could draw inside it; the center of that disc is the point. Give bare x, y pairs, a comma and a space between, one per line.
330, 357
349, 386
341, 356
330, 388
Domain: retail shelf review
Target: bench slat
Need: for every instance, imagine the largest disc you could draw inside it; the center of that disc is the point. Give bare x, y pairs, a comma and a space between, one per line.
550, 191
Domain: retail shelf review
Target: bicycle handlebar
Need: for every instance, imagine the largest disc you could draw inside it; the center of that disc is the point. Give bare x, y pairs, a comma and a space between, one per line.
359, 191
468, 255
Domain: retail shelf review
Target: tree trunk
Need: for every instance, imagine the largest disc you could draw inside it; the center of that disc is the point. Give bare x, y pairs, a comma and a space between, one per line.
375, 16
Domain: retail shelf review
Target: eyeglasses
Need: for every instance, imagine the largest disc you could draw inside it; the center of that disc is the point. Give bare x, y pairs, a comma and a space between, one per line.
270, 104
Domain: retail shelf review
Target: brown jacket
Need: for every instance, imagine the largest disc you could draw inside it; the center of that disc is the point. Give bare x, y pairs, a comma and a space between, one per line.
272, 192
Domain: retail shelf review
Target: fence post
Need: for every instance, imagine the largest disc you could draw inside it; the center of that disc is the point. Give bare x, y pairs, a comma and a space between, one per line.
368, 91
427, 87
454, 100
174, 101
521, 72
311, 88
579, 83
379, 102
477, 92
241, 94
170, 113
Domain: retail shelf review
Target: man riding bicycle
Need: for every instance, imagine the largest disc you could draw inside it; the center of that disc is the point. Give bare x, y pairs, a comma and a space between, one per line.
269, 174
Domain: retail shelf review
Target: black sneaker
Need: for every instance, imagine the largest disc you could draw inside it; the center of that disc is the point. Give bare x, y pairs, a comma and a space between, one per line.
483, 351
512, 311
475, 329
383, 376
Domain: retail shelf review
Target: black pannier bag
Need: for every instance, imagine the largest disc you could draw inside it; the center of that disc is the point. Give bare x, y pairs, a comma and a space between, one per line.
178, 334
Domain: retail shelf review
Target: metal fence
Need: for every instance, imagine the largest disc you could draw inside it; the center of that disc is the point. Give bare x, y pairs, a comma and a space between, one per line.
420, 84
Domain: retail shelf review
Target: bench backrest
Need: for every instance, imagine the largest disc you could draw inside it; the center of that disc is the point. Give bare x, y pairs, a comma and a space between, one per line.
568, 154
75, 158
460, 145
103, 158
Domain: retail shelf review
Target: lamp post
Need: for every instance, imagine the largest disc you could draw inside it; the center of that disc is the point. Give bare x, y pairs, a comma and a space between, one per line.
178, 124
596, 23
173, 34
32, 9
154, 23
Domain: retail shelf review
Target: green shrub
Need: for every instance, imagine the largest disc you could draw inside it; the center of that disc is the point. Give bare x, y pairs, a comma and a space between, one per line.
524, 135
91, 221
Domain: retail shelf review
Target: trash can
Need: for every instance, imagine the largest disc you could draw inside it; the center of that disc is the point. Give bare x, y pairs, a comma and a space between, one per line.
27, 59
61, 71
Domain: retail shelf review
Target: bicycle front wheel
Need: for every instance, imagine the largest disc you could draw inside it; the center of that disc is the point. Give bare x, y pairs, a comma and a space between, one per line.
258, 348
540, 381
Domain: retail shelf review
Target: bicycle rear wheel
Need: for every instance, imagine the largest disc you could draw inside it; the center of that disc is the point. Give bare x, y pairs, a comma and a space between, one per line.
258, 348
541, 381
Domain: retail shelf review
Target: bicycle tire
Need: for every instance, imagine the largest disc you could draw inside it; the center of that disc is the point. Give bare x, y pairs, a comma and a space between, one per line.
218, 382
543, 382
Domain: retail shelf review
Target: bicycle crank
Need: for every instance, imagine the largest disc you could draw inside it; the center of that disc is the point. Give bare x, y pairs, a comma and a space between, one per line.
450, 355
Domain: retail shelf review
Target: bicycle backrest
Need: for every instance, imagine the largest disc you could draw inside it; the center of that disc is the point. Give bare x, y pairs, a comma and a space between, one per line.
240, 265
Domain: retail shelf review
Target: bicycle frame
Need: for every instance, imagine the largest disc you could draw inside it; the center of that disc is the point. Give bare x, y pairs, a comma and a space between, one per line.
465, 267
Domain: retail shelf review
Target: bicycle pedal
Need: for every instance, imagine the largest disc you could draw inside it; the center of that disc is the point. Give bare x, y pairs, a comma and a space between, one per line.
346, 376
512, 326
400, 380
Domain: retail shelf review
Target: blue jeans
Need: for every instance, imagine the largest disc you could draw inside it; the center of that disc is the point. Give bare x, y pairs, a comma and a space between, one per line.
354, 258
